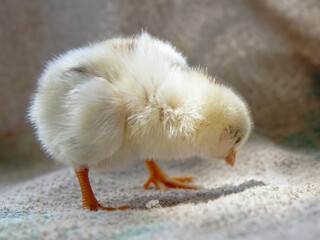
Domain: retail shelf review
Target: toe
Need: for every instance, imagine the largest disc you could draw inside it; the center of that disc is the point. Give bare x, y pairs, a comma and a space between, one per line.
177, 184
160, 185
183, 179
124, 207
147, 183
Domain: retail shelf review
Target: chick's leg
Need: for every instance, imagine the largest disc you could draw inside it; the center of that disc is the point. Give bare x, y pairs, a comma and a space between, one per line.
89, 201
161, 180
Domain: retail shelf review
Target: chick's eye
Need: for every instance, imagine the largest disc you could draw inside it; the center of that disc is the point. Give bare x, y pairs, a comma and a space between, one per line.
238, 140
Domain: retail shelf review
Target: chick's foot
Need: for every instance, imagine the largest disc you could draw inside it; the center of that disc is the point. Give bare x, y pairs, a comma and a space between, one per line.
89, 201
161, 180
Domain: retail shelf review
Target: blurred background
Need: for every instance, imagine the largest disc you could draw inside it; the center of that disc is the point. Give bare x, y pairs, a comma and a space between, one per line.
267, 50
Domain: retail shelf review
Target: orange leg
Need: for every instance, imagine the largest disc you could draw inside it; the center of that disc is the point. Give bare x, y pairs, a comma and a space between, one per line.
161, 180
89, 201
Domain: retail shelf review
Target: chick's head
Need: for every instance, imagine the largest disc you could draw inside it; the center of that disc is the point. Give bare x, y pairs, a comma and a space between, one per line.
226, 126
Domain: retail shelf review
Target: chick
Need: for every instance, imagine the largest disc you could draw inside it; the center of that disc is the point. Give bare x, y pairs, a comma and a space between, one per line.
128, 99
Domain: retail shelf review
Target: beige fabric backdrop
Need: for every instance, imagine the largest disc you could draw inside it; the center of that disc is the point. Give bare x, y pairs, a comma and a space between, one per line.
268, 50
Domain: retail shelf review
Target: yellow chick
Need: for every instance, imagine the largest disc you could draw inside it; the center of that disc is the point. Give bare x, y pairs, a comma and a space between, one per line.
128, 99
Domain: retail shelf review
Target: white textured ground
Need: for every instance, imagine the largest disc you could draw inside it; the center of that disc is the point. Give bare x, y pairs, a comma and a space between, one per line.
269, 194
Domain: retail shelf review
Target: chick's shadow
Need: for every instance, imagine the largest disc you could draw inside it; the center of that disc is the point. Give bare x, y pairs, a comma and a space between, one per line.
178, 196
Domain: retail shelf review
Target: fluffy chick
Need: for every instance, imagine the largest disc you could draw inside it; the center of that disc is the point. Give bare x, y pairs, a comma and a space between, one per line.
126, 99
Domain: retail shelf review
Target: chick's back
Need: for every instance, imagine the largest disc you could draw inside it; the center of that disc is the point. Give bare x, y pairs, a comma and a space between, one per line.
80, 107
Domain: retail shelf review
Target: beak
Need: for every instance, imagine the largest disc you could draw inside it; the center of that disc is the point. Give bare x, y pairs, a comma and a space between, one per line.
230, 159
